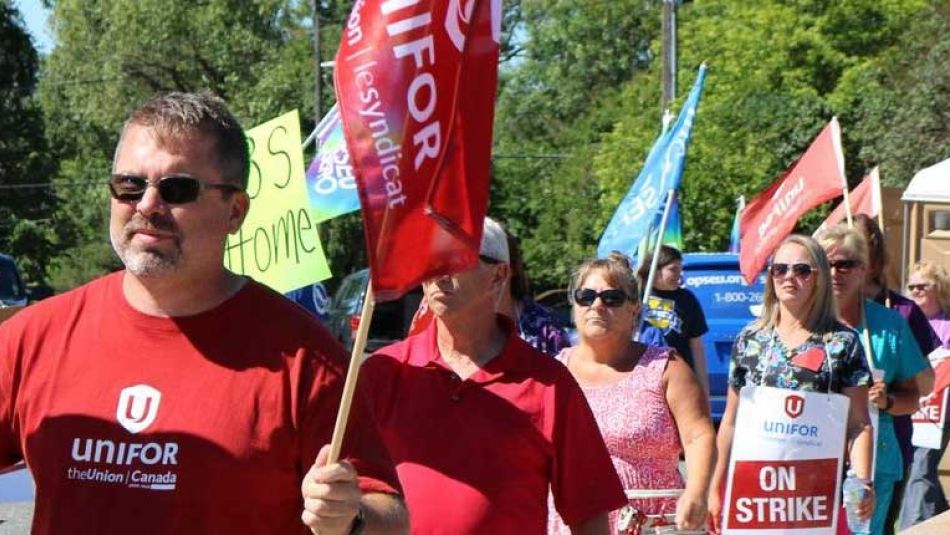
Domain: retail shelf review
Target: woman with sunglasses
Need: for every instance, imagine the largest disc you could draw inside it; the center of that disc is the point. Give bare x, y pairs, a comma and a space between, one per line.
779, 350
929, 287
646, 400
893, 351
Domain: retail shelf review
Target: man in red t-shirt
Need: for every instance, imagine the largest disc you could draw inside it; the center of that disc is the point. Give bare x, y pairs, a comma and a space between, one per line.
176, 396
480, 424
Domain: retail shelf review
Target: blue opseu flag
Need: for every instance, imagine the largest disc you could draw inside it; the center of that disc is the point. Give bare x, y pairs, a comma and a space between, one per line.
641, 209
331, 185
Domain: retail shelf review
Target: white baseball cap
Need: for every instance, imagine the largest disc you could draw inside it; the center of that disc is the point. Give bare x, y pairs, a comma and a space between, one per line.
494, 242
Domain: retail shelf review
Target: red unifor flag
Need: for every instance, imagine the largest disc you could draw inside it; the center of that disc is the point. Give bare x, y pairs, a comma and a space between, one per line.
416, 83
817, 177
865, 199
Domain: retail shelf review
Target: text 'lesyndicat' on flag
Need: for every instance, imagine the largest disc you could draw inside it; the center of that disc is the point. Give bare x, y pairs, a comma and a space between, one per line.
416, 83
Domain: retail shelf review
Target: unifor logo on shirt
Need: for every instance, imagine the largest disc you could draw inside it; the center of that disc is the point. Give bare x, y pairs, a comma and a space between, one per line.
138, 407
143, 462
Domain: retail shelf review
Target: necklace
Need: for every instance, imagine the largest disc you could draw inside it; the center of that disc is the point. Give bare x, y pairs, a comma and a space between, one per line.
793, 336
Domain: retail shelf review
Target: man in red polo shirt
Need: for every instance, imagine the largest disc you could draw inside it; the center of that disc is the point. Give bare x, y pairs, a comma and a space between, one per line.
480, 424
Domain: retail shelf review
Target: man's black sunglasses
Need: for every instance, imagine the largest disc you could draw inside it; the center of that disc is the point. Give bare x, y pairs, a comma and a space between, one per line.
844, 266
585, 297
802, 270
489, 260
173, 189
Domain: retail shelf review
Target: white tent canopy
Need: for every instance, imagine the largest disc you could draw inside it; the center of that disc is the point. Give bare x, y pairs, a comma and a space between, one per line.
930, 185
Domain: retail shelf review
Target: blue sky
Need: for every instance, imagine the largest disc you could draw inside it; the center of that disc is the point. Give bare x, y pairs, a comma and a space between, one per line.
35, 15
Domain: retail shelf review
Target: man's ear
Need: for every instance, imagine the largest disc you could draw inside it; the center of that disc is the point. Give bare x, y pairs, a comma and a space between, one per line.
501, 274
240, 205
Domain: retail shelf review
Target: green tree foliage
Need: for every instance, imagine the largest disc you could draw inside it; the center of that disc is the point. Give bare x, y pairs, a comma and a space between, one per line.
898, 103
113, 54
557, 98
577, 112
778, 72
24, 164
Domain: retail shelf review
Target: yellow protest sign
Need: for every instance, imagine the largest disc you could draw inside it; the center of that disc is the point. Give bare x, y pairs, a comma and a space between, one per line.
278, 244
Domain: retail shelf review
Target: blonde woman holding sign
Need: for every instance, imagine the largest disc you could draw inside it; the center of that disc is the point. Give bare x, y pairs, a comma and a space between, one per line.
798, 344
893, 349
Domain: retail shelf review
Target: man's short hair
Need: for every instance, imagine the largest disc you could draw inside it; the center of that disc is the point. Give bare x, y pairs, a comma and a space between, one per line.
494, 242
177, 116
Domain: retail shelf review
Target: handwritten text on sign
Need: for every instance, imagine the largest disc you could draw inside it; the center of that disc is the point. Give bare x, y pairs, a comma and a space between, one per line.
278, 244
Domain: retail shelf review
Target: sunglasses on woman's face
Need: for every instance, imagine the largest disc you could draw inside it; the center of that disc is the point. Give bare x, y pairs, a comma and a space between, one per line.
844, 266
172, 189
800, 270
585, 297
922, 287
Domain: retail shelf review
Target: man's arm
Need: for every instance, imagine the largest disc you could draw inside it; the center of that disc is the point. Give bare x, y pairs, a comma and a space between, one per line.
385, 514
333, 501
595, 525
10, 455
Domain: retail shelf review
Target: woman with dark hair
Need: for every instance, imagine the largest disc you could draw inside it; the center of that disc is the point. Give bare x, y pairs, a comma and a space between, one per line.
647, 402
798, 318
675, 310
536, 324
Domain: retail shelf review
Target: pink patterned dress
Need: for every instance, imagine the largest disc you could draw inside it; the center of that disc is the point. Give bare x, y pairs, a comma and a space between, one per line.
640, 433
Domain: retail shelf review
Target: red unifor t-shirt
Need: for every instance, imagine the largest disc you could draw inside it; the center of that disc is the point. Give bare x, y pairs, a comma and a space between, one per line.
479, 455
202, 424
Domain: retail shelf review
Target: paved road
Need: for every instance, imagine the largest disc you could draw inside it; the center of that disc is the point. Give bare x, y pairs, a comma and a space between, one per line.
15, 518
16, 502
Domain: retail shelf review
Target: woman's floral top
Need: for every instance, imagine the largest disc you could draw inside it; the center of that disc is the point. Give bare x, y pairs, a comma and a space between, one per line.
760, 358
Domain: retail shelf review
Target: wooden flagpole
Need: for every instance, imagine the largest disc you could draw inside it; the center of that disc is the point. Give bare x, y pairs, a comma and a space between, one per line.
847, 207
352, 372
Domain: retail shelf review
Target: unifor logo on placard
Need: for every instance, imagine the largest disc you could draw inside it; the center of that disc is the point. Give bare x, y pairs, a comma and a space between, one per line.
138, 407
794, 405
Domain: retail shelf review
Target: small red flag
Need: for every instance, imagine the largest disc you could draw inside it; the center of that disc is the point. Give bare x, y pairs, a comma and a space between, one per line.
865, 199
817, 177
416, 83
